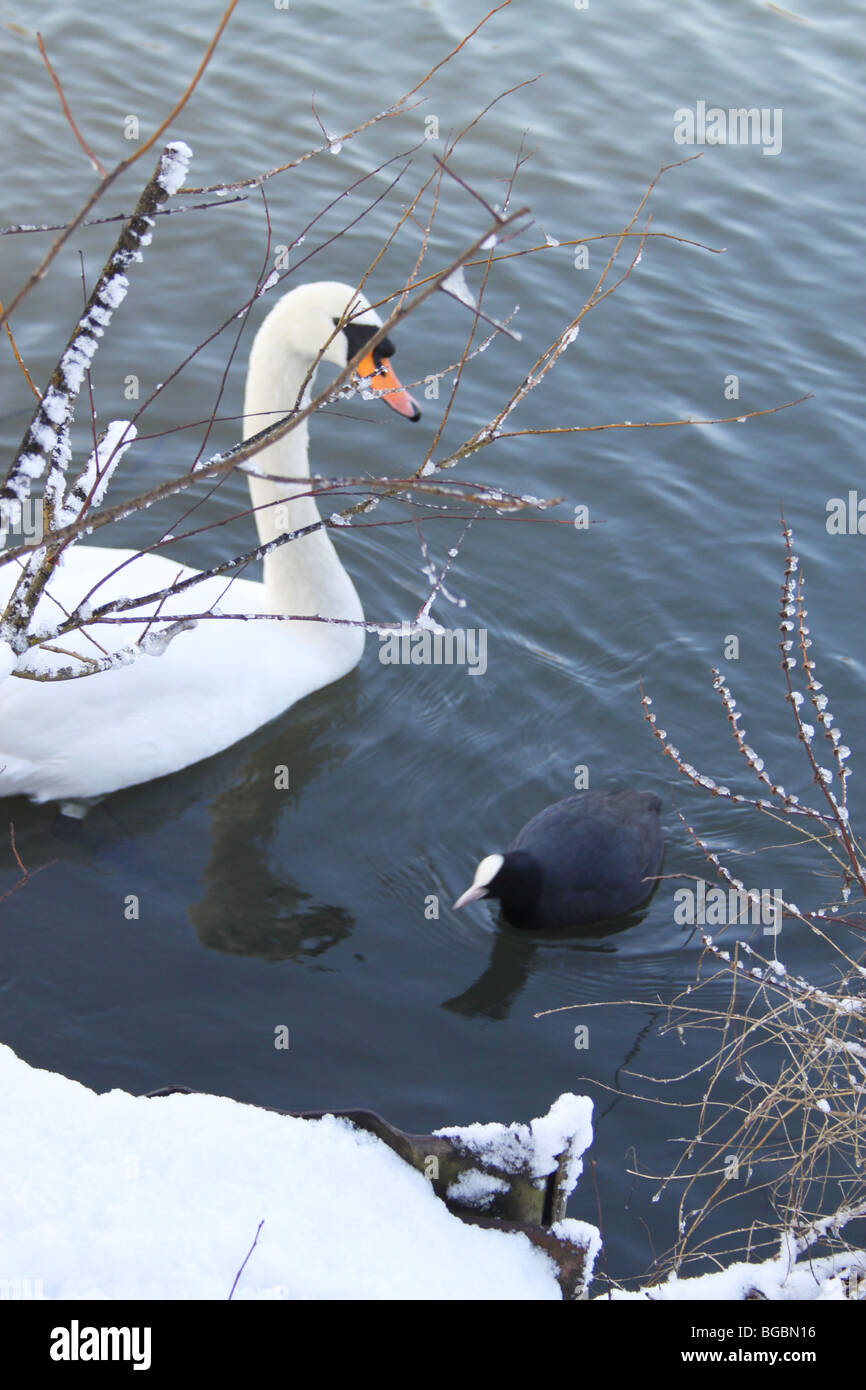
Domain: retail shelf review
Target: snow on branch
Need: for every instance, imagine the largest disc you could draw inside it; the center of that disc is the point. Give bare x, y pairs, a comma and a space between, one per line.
150, 644
47, 436
92, 482
55, 410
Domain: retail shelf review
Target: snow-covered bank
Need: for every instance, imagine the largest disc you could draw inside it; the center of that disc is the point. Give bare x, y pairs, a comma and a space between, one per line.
827, 1277
118, 1196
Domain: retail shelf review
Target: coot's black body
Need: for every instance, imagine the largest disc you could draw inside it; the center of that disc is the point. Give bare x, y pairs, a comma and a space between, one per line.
590, 857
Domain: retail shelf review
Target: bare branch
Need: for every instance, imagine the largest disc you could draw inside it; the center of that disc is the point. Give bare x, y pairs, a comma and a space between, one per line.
16, 354
66, 111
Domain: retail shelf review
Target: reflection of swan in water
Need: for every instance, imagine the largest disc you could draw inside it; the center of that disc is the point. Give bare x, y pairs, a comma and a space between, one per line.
70, 740
252, 906
249, 901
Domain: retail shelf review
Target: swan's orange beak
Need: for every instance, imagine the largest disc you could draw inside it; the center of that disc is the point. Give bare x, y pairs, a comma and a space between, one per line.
382, 378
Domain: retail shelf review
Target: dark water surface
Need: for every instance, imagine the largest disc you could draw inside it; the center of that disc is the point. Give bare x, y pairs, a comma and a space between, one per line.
306, 908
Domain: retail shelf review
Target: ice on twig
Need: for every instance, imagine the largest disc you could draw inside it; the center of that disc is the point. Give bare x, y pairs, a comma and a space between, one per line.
455, 284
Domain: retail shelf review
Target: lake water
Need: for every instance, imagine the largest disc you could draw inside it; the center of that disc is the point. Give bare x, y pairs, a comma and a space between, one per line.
306, 908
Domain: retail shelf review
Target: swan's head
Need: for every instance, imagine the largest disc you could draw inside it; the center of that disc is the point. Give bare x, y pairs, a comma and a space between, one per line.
331, 322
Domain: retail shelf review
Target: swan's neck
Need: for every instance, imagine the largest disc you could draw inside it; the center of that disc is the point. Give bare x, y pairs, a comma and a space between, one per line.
303, 576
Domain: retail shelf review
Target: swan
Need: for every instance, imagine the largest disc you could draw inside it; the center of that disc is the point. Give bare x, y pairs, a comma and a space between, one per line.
75, 741
591, 857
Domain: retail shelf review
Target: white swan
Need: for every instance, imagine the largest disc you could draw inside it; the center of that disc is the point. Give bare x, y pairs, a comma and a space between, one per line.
75, 740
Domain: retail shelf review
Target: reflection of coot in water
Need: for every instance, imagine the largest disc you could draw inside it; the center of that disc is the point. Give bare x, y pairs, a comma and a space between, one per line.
589, 857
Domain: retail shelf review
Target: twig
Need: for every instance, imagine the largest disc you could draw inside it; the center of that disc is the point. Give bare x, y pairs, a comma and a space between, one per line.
26, 874
27, 377
100, 169
111, 177
244, 1265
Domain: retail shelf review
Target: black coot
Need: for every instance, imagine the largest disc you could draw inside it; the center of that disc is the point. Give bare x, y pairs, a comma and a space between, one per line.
592, 856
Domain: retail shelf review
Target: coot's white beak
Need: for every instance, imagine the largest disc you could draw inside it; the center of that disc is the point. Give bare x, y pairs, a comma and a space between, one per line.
478, 890
484, 876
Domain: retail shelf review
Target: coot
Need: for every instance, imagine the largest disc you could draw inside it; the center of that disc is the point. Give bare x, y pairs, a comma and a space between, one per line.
592, 856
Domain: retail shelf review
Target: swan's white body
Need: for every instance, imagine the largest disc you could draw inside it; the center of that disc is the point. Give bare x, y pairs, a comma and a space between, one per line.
76, 739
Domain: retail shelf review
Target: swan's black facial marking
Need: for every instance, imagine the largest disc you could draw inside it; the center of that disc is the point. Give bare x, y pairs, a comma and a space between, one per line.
359, 334
375, 368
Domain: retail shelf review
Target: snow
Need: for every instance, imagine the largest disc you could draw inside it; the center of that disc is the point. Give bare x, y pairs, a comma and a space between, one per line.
113, 293
514, 1147
96, 474
96, 319
174, 165
8, 660
582, 1234
44, 435
119, 1196
780, 1278
76, 361
54, 406
55, 409
30, 464
476, 1188
425, 623
570, 1116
